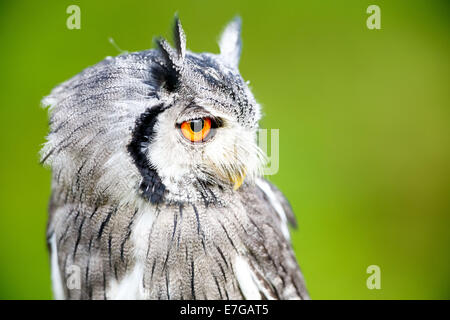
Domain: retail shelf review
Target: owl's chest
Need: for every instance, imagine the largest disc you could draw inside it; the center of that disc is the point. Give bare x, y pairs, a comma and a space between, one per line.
184, 252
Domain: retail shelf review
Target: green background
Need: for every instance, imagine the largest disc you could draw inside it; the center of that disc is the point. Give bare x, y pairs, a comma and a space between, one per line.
363, 118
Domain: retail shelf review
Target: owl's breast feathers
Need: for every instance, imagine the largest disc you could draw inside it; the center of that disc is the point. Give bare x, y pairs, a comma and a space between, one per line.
236, 248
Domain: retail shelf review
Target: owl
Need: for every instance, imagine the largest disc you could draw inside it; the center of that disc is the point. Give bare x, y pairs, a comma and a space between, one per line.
157, 189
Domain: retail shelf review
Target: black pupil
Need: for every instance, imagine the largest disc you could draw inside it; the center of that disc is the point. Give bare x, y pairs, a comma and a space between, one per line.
197, 125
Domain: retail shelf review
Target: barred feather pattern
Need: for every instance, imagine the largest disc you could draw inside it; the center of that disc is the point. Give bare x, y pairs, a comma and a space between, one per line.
190, 254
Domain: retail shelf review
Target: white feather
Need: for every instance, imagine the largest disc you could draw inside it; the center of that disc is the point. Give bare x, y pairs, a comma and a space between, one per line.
131, 286
246, 279
265, 187
57, 283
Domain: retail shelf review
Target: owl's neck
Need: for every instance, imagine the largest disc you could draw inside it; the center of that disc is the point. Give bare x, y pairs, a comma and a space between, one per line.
197, 192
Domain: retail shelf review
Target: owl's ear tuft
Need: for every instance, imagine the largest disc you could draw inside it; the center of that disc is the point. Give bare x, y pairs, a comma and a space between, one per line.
230, 43
168, 73
173, 58
166, 51
179, 37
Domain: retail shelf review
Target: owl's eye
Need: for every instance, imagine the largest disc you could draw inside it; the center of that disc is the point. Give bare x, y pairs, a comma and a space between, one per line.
197, 130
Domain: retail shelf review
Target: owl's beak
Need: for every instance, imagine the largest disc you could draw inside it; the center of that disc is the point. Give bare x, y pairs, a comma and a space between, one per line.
237, 180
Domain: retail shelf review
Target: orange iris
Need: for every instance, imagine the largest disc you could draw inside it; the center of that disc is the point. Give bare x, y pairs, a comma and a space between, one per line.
196, 130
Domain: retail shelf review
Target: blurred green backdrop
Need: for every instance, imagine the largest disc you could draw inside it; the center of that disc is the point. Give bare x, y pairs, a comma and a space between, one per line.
363, 118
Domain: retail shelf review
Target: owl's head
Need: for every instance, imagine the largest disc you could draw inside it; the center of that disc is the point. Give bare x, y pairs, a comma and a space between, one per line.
168, 123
